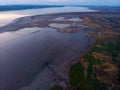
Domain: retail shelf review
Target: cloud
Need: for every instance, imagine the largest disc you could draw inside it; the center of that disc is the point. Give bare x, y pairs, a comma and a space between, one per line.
39, 1
56, 0
65, 0
68, 2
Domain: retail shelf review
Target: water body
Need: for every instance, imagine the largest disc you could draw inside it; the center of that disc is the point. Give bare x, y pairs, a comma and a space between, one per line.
8, 16
26, 53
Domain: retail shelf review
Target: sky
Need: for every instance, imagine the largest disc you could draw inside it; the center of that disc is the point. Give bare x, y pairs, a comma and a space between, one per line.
63, 2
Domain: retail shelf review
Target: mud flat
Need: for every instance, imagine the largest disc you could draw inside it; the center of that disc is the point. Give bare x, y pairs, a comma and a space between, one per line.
34, 55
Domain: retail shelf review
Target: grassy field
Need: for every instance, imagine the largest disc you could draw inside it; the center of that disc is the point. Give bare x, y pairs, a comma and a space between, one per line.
101, 68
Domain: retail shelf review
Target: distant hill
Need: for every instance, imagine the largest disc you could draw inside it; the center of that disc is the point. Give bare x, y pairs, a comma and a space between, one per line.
22, 7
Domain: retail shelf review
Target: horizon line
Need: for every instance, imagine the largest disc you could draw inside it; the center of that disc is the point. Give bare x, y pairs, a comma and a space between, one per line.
53, 5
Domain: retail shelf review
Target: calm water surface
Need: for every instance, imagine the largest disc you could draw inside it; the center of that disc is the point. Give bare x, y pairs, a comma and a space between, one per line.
24, 53
8, 16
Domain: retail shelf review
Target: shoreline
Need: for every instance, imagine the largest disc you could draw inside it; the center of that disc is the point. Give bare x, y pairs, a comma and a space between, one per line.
30, 18
43, 21
65, 46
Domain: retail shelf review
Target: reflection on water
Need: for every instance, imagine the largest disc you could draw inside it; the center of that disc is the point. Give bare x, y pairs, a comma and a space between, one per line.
7, 36
55, 25
75, 19
22, 58
23, 54
26, 31
8, 16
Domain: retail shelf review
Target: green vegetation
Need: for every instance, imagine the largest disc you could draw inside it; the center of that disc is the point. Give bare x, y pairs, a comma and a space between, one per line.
106, 51
110, 45
78, 79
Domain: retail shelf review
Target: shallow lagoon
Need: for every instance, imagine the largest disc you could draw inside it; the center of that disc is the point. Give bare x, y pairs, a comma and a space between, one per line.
24, 54
8, 16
